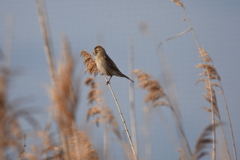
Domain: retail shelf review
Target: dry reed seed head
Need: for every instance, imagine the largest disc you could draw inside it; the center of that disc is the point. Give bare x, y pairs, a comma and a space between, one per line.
183, 155
97, 121
80, 143
178, 2
109, 116
204, 80
94, 85
93, 111
91, 67
207, 97
93, 95
151, 85
203, 141
215, 84
84, 53
62, 93
89, 61
211, 76
89, 80
136, 71
203, 53
207, 109
212, 101
155, 91
206, 59
143, 76
209, 70
152, 96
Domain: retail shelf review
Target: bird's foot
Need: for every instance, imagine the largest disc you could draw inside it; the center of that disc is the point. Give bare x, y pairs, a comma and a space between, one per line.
107, 83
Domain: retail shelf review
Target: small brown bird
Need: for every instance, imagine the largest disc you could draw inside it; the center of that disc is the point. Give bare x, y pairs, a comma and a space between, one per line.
106, 65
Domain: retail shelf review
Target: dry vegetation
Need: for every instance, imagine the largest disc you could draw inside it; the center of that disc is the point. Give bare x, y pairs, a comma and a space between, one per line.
71, 143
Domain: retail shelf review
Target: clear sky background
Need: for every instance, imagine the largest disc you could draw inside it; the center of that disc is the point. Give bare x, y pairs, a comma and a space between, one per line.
113, 24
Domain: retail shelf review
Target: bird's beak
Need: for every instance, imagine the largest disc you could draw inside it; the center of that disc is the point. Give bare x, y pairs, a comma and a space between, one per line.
94, 53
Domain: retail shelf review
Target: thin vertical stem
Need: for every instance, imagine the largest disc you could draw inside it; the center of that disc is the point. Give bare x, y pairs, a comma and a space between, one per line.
213, 133
173, 100
230, 124
193, 32
131, 96
76, 139
148, 119
166, 126
43, 21
123, 120
211, 94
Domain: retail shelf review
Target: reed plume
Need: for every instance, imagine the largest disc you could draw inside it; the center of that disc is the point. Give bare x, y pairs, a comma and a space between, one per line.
178, 2
62, 92
10, 134
81, 147
64, 95
103, 113
203, 141
156, 96
89, 61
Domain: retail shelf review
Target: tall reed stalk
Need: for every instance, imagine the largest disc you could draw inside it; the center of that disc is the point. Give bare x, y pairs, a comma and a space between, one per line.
123, 120
178, 2
168, 78
131, 96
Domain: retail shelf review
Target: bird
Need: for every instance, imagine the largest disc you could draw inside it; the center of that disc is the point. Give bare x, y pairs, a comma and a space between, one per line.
106, 65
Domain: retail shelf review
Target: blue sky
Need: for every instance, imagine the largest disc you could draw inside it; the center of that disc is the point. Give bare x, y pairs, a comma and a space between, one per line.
216, 24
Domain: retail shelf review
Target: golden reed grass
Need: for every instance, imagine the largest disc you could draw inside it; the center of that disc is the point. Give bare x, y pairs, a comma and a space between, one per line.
75, 144
203, 141
155, 90
156, 96
103, 113
89, 61
10, 134
62, 91
178, 2
208, 75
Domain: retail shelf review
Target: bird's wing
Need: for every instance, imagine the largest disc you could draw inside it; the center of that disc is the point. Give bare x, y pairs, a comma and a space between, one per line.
111, 64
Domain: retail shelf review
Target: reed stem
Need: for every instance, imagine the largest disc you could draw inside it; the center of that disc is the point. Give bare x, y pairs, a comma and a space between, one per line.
123, 120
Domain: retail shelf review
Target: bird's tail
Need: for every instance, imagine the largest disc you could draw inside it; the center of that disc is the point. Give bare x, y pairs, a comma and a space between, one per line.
128, 78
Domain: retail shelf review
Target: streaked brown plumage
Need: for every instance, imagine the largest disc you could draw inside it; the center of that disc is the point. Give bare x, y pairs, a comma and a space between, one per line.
106, 65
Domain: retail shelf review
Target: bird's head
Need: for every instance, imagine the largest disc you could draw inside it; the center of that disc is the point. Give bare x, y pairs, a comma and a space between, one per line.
99, 51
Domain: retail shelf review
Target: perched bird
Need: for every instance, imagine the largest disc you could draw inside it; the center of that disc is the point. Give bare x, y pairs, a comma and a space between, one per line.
106, 65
